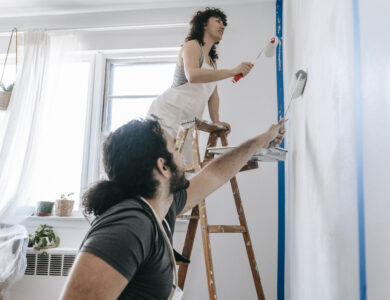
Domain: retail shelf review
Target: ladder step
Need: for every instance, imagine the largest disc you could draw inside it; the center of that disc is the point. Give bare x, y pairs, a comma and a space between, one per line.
189, 168
203, 125
226, 229
250, 165
187, 217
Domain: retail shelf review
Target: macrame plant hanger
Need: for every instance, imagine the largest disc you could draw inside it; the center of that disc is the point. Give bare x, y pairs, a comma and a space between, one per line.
5, 94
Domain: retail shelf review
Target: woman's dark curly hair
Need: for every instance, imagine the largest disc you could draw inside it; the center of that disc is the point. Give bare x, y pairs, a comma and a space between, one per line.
199, 20
129, 155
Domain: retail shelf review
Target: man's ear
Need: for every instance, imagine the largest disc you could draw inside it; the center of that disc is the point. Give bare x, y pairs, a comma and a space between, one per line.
161, 167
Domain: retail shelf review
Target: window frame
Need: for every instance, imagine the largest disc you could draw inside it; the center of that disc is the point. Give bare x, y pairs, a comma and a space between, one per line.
98, 101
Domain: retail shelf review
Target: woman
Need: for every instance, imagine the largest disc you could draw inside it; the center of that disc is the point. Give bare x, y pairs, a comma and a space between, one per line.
196, 75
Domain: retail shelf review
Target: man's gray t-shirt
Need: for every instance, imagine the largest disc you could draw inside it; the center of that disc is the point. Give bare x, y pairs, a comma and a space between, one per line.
127, 237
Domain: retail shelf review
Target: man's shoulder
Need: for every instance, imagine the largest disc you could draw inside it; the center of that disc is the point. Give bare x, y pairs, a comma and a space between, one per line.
126, 213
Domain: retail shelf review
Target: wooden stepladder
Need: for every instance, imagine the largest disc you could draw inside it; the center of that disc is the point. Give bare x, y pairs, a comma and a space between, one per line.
199, 212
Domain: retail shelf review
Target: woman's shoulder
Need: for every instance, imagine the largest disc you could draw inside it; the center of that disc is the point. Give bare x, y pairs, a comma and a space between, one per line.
191, 44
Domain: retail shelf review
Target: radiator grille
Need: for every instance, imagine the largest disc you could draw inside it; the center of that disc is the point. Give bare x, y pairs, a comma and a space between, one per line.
68, 263
31, 262
49, 265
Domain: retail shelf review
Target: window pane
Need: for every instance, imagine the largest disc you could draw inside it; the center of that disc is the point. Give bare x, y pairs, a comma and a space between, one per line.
141, 78
121, 111
61, 148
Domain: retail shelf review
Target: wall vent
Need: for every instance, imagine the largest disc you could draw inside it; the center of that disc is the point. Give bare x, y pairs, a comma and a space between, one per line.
51, 264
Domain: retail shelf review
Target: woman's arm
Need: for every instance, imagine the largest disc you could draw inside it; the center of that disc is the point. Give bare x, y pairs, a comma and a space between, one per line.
214, 106
214, 110
191, 55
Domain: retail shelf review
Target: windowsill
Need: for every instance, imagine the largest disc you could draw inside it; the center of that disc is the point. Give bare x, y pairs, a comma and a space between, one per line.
78, 221
75, 221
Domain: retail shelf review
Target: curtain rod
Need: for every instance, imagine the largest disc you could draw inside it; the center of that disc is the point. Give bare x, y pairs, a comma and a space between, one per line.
107, 28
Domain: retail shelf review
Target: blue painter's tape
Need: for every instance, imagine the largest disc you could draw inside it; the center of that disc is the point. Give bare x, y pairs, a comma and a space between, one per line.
359, 150
281, 172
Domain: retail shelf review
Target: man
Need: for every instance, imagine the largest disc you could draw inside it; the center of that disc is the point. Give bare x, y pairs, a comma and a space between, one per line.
124, 254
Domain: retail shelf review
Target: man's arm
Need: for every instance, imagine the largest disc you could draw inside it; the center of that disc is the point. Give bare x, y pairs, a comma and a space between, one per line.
223, 168
93, 278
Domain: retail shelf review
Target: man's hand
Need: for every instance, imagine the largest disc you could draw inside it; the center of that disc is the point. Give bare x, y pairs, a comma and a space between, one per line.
276, 132
221, 169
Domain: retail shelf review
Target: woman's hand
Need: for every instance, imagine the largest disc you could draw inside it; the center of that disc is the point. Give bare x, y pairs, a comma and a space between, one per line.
227, 125
243, 68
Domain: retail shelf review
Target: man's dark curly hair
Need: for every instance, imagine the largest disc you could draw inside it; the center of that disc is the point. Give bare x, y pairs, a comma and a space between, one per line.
130, 154
199, 20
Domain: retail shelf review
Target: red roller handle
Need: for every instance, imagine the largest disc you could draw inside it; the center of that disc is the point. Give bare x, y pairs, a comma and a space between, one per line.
237, 77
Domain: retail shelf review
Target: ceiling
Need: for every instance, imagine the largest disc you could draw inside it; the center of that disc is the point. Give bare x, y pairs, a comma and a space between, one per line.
18, 8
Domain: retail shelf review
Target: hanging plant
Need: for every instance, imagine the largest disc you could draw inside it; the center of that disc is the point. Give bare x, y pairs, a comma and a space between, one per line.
5, 95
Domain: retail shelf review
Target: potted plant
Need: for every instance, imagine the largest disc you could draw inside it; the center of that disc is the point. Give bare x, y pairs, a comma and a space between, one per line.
5, 95
44, 238
44, 208
64, 205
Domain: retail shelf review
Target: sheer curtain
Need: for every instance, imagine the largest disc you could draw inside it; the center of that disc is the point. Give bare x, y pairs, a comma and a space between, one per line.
35, 123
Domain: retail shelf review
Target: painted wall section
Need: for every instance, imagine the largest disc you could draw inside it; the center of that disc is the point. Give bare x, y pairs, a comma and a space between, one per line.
375, 62
321, 199
322, 223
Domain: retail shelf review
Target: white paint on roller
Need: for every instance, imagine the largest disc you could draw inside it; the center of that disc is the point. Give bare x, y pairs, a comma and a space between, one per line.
270, 49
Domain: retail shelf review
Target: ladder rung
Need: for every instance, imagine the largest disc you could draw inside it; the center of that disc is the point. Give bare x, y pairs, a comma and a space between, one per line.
226, 229
189, 168
187, 217
203, 125
250, 165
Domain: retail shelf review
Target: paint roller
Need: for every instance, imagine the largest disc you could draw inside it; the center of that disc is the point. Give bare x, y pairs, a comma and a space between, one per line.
269, 51
300, 79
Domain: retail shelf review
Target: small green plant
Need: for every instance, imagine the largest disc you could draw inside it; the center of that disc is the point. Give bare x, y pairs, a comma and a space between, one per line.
44, 237
7, 89
65, 196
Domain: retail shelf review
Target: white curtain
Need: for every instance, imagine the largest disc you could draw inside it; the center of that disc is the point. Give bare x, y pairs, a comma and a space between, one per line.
37, 138
22, 122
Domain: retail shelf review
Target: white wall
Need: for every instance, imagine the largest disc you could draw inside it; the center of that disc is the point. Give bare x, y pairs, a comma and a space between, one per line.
375, 48
250, 107
322, 254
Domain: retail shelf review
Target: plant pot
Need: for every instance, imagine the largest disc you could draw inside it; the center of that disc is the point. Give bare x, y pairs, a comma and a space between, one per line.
37, 246
45, 208
64, 208
4, 100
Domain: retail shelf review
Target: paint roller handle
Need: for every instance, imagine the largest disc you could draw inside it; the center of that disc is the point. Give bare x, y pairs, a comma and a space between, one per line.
237, 77
241, 70
281, 130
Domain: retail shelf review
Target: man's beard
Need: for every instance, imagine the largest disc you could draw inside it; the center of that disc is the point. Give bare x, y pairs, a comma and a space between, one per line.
178, 181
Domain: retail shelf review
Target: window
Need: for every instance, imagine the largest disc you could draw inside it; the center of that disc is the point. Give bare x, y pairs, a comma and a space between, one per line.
60, 153
130, 89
